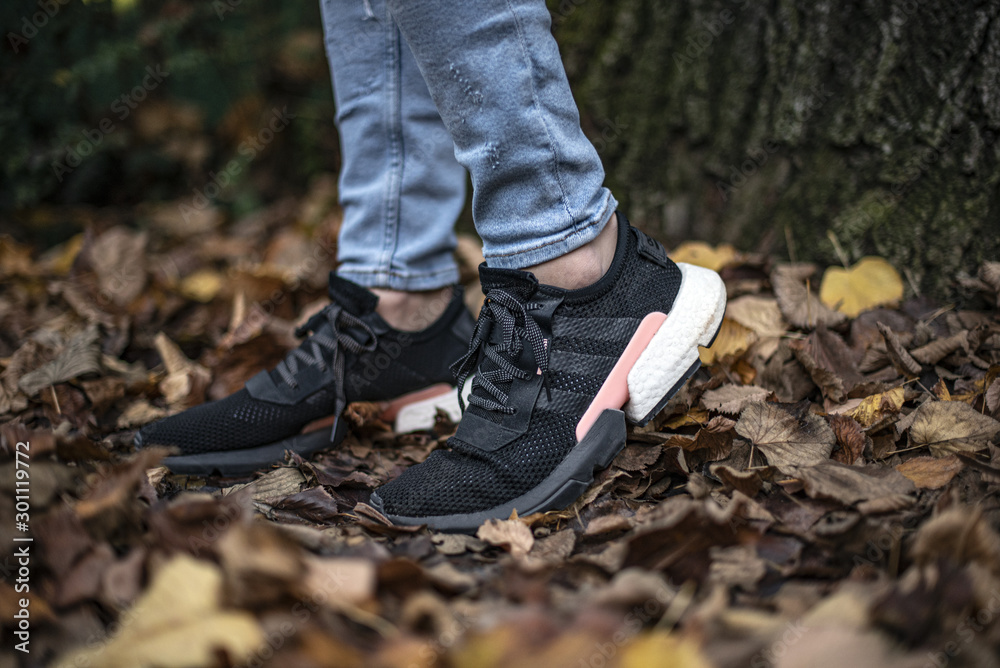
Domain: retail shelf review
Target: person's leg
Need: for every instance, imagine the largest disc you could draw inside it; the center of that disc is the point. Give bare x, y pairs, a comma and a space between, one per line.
494, 70
584, 323
401, 191
400, 186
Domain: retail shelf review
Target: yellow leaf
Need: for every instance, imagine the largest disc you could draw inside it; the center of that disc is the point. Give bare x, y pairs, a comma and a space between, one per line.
869, 283
663, 649
62, 257
875, 408
732, 339
202, 285
177, 622
701, 254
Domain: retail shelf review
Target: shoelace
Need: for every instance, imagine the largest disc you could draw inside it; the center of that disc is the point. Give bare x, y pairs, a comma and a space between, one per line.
311, 351
503, 309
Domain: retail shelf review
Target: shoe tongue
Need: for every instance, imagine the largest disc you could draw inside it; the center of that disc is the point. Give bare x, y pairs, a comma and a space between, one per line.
520, 283
354, 298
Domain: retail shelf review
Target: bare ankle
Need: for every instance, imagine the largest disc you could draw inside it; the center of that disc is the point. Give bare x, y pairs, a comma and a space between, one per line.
412, 311
583, 266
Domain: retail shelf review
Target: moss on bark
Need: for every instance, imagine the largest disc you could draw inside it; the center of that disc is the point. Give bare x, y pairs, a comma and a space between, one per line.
753, 122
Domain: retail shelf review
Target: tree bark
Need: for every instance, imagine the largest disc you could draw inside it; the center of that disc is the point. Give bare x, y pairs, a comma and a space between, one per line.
794, 126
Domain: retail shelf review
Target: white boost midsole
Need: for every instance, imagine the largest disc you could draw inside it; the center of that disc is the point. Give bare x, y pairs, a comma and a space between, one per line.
694, 318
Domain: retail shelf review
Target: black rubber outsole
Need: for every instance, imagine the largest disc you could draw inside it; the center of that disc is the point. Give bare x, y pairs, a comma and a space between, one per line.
231, 463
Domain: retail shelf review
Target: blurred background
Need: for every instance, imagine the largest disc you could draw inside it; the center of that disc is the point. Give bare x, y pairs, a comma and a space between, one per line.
806, 130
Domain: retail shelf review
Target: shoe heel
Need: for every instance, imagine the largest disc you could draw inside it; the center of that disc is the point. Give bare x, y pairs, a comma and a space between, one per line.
671, 357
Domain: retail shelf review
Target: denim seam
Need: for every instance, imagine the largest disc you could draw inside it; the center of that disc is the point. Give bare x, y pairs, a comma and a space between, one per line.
398, 274
600, 220
394, 132
537, 108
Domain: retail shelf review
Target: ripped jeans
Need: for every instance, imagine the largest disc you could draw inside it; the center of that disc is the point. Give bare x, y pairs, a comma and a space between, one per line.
423, 89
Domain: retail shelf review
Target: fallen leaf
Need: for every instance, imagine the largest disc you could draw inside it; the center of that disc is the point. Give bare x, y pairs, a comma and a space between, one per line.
931, 472
961, 534
701, 254
798, 304
951, 426
784, 437
873, 410
851, 438
185, 383
80, 356
177, 623
201, 286
731, 399
938, 349
512, 535
732, 339
339, 580
898, 355
869, 283
659, 648
759, 314
849, 484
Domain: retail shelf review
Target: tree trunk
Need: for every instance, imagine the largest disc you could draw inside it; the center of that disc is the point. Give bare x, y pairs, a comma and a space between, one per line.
794, 126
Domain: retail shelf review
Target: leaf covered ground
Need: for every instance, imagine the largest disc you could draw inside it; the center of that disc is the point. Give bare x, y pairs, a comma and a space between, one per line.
822, 493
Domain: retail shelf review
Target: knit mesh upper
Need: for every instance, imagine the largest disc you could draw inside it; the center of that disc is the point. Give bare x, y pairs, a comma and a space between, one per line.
467, 479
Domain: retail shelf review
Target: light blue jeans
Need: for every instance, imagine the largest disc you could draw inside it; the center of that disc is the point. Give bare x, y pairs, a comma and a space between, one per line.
423, 89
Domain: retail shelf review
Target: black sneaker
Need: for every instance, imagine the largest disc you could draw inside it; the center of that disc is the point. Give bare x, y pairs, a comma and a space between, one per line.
554, 370
352, 354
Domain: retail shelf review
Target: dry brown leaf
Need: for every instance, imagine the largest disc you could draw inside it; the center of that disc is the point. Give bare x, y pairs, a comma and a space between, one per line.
800, 306
937, 350
784, 437
139, 413
80, 356
759, 314
178, 622
869, 283
946, 427
849, 484
118, 257
931, 472
960, 534
186, 381
851, 437
992, 397
747, 482
900, 359
512, 535
731, 399
340, 580
989, 273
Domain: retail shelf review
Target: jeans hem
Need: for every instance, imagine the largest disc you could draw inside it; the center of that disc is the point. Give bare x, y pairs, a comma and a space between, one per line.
580, 235
409, 282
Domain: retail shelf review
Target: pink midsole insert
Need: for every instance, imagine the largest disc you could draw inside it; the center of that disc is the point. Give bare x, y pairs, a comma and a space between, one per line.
389, 408
393, 407
614, 392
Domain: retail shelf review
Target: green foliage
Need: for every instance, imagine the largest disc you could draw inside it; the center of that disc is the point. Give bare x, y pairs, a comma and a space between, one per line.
125, 101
